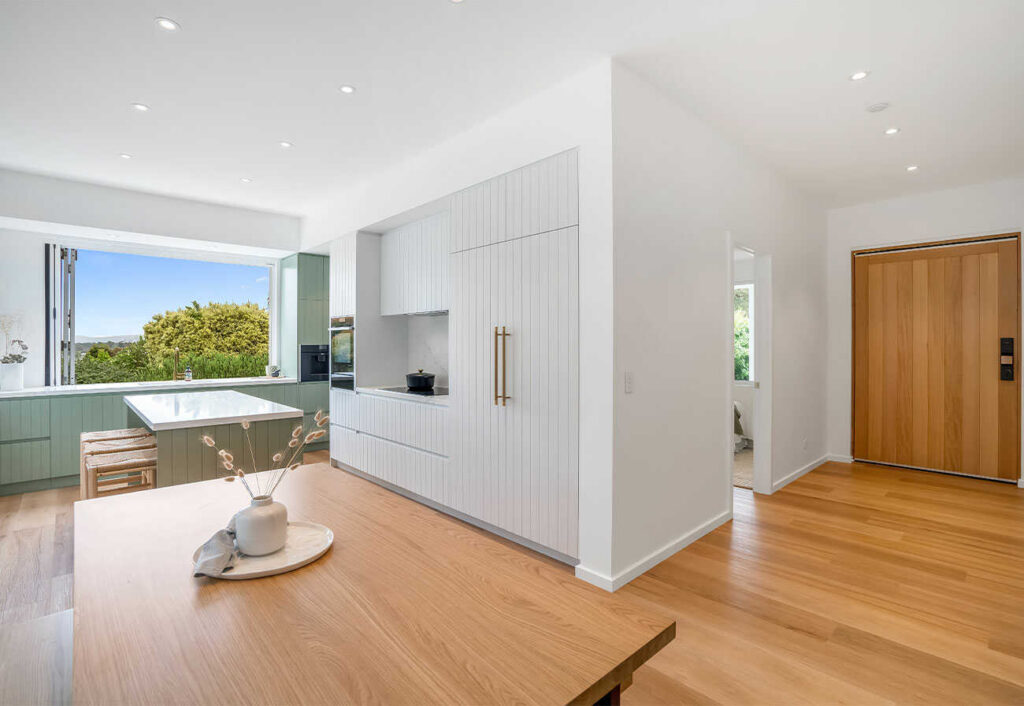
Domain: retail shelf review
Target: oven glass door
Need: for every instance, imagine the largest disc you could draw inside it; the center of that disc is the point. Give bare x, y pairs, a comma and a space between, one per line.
342, 344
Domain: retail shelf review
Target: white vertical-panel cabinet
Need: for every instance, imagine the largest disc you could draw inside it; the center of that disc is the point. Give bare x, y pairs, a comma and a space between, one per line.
538, 198
515, 464
414, 267
342, 291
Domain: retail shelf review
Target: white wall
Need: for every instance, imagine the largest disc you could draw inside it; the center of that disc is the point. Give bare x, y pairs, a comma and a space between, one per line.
42, 199
981, 209
428, 347
22, 293
573, 113
679, 187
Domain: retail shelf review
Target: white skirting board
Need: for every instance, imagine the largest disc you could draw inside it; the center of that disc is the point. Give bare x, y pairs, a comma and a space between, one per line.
614, 583
783, 482
840, 458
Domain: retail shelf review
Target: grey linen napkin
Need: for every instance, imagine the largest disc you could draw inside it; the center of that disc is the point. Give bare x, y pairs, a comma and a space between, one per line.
218, 555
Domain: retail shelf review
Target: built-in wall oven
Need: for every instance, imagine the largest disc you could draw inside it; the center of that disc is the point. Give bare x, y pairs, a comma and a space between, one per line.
343, 352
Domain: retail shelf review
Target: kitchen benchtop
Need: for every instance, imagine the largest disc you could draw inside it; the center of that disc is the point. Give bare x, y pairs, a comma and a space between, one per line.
183, 410
438, 400
112, 387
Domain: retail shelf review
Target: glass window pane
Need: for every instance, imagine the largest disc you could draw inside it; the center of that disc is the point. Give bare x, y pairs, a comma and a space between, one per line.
133, 313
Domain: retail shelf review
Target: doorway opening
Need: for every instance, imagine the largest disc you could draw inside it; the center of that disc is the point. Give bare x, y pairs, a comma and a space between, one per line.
751, 370
744, 361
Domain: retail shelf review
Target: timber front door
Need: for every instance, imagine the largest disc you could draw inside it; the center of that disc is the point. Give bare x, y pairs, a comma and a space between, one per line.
935, 347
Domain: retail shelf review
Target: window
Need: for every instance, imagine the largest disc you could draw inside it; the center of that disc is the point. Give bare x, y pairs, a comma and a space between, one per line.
743, 332
127, 318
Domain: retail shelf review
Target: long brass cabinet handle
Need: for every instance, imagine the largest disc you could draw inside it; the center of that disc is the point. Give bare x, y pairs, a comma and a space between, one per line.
504, 359
496, 366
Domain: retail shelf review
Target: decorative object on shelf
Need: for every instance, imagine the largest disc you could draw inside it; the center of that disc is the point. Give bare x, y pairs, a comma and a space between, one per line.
273, 371
420, 380
15, 353
262, 528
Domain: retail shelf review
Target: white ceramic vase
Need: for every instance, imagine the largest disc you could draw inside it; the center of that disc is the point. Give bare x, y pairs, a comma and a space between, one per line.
12, 377
262, 527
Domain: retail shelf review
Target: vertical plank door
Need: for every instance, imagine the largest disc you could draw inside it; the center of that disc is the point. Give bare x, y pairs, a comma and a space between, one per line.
927, 386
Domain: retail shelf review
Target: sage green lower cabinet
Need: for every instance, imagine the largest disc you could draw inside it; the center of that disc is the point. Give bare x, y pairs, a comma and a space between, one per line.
40, 436
24, 419
74, 414
24, 461
182, 457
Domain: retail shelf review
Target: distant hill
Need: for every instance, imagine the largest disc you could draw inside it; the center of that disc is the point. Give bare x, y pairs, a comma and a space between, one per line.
129, 338
84, 343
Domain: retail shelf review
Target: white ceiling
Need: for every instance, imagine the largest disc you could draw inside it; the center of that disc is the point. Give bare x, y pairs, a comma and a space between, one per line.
241, 76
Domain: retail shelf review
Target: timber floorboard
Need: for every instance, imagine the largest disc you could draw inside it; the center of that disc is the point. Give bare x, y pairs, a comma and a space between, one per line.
855, 584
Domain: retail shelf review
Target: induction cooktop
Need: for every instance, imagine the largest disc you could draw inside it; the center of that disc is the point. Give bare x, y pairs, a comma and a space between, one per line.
424, 393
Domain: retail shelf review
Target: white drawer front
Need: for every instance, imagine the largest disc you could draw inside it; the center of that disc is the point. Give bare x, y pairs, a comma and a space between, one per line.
421, 426
345, 446
344, 408
415, 471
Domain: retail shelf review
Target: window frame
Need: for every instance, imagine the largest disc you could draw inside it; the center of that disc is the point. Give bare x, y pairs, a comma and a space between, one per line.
54, 338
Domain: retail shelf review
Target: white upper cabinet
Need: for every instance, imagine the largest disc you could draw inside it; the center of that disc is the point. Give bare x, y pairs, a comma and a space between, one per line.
414, 267
343, 276
538, 198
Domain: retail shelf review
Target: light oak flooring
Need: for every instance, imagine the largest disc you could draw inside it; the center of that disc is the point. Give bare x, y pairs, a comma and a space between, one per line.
855, 584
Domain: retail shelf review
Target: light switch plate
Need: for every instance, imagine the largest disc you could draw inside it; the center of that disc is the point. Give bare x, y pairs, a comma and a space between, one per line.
629, 383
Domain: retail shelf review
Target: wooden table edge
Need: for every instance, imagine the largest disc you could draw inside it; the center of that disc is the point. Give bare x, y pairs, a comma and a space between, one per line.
612, 683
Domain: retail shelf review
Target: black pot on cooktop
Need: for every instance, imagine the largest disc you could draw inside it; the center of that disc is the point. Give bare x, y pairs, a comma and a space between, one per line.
420, 380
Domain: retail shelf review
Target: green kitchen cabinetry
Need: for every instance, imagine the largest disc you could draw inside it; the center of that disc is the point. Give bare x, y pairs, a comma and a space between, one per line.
39, 436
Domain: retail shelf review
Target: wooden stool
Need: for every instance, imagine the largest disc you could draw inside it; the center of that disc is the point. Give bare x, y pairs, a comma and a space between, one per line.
110, 441
119, 472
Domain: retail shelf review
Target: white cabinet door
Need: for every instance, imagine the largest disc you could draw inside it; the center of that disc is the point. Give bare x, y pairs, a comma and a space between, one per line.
538, 198
515, 465
343, 276
344, 408
415, 424
414, 267
345, 447
416, 471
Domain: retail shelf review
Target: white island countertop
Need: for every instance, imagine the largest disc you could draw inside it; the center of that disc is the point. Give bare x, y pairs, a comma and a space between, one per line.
183, 410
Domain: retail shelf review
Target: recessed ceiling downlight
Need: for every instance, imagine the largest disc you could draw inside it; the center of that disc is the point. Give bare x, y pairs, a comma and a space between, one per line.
246, 180
126, 156
141, 107
877, 107
284, 144
892, 131
859, 75
167, 24
912, 168
347, 89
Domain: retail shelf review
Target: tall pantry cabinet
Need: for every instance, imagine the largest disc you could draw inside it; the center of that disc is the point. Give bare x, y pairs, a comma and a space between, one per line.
514, 354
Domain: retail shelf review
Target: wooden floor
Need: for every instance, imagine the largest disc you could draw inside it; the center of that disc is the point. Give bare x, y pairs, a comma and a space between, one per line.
855, 584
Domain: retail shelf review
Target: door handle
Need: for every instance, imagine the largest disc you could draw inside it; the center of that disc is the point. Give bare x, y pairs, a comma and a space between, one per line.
1006, 359
495, 366
504, 359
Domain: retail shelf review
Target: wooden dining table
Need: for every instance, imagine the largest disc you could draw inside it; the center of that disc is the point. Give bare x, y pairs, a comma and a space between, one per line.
409, 606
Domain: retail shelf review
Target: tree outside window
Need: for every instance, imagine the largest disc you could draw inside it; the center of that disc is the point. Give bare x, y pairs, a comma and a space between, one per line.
743, 332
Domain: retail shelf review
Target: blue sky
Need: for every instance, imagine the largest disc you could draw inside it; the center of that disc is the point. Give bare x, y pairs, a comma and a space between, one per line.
115, 294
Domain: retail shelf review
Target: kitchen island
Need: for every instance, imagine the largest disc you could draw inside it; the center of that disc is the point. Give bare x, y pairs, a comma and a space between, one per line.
179, 420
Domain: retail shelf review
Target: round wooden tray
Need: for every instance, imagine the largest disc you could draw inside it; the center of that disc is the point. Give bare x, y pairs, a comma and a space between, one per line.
306, 542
